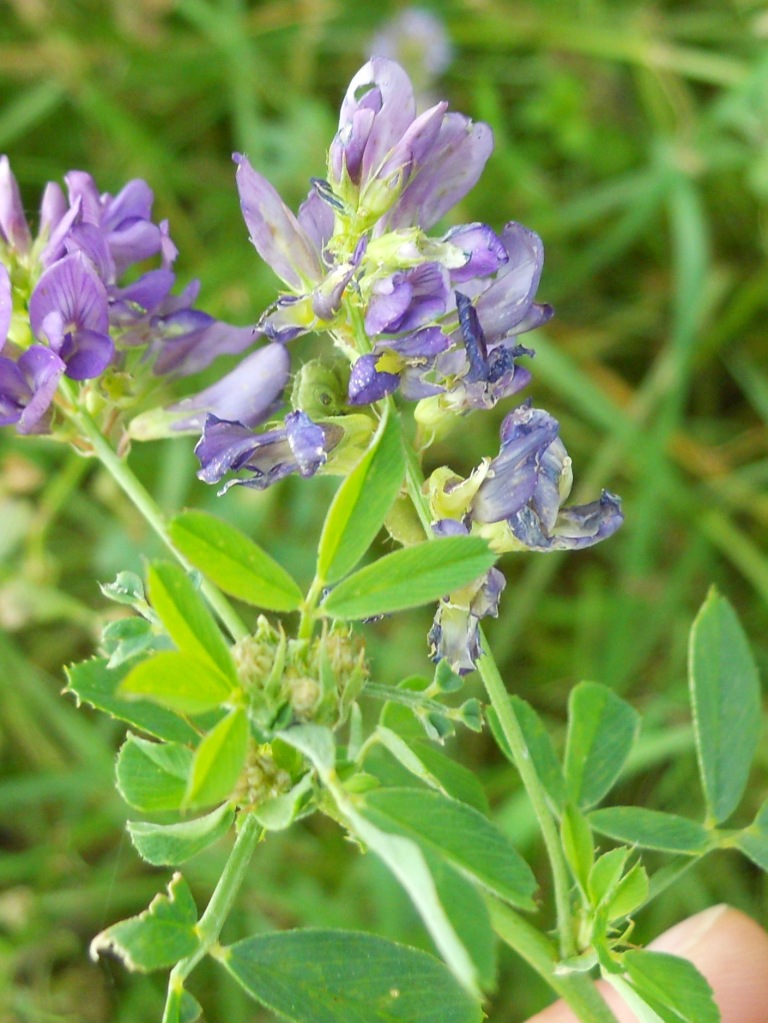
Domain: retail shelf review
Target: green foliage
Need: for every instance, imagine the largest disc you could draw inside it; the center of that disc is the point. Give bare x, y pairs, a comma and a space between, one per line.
172, 844
158, 937
457, 833
725, 696
342, 977
186, 618
670, 987
361, 504
218, 761
409, 577
602, 729
651, 829
233, 562
152, 776
178, 681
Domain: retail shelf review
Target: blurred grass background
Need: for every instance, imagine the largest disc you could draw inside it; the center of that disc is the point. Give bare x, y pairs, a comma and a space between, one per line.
633, 136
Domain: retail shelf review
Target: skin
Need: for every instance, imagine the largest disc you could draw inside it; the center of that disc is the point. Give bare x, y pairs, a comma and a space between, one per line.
727, 946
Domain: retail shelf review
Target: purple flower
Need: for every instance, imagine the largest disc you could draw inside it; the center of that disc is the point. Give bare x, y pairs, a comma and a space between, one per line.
300, 445
518, 505
455, 634
27, 387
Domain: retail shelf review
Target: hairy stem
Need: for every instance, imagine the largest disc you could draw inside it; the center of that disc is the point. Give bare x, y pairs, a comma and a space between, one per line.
576, 989
147, 506
213, 919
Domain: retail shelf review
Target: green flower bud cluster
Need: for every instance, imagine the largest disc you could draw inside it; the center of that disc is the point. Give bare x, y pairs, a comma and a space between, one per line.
289, 681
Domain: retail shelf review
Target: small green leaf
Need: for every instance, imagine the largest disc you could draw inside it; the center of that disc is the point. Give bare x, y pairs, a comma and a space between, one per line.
671, 986
186, 617
753, 841
460, 835
578, 844
605, 874
234, 562
152, 776
315, 742
410, 577
280, 812
361, 503
651, 829
178, 681
631, 893
157, 938
319, 976
218, 761
725, 699
93, 682
539, 745
601, 731
172, 844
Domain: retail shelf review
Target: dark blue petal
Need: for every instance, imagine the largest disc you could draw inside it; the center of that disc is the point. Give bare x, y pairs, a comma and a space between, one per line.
366, 384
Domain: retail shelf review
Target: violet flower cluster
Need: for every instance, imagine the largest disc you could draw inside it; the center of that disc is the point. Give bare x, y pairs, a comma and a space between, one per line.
65, 311
434, 319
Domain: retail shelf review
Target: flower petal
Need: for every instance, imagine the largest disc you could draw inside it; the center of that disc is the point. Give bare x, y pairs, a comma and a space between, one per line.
6, 305
275, 232
247, 395
43, 369
14, 229
70, 288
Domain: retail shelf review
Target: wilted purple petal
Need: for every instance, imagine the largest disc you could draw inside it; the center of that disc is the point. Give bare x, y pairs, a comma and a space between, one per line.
6, 305
13, 224
449, 527
288, 318
246, 395
299, 446
275, 232
513, 475
576, 527
327, 296
484, 249
366, 384
348, 146
424, 344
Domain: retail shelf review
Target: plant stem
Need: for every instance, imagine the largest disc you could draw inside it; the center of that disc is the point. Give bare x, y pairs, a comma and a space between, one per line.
510, 726
513, 733
147, 506
576, 989
212, 921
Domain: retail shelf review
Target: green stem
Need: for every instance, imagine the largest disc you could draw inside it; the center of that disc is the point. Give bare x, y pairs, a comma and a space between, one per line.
510, 726
147, 506
213, 919
308, 608
576, 989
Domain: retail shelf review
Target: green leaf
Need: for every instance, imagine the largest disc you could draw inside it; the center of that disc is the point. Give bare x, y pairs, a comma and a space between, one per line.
319, 976
152, 776
671, 986
631, 893
725, 699
651, 829
605, 874
460, 835
280, 812
469, 915
234, 562
178, 681
410, 577
578, 844
753, 841
434, 768
315, 742
218, 761
94, 683
186, 617
539, 745
157, 938
361, 503
601, 731
172, 844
